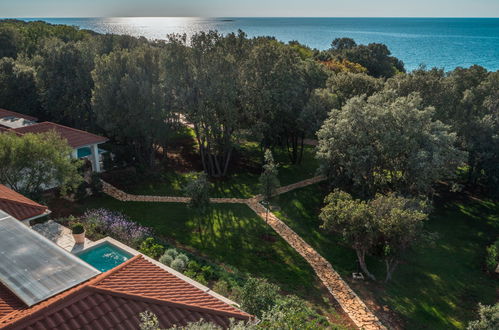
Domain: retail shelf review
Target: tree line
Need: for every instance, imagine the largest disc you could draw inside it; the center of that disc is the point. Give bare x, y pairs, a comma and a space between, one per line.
231, 87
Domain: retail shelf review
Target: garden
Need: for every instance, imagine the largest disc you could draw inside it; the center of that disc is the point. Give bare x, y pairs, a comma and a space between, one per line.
436, 286
225, 247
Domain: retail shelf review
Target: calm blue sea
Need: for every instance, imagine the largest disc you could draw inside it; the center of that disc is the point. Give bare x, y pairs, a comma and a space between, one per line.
435, 42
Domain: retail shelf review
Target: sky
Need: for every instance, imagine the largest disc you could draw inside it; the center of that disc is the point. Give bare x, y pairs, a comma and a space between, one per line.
249, 8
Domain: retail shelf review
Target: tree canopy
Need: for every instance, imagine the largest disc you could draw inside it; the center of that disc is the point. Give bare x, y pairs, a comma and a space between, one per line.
387, 143
33, 162
387, 225
128, 100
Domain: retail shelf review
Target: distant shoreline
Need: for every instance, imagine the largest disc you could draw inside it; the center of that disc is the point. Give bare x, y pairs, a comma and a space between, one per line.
445, 43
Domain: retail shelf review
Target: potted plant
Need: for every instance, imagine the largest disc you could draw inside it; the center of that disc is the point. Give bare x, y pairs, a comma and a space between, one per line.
78, 233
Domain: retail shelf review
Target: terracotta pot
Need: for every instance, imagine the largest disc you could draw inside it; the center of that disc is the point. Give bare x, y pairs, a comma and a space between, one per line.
79, 238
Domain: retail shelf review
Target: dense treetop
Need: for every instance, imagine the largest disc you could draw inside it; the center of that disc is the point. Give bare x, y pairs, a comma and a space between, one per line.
231, 88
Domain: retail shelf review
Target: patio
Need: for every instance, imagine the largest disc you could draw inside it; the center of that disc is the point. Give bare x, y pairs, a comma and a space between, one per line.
61, 236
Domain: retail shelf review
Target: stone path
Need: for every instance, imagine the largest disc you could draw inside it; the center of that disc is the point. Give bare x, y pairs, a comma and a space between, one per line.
346, 298
339, 289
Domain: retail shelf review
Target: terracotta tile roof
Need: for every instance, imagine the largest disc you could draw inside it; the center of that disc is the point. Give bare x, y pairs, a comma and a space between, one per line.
75, 137
8, 113
8, 302
18, 206
114, 299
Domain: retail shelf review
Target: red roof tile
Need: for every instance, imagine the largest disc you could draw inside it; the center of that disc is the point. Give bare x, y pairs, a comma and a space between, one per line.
75, 137
113, 300
8, 113
8, 302
18, 206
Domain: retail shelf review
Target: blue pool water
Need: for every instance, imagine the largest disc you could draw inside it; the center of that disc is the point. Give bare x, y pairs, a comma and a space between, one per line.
436, 42
104, 256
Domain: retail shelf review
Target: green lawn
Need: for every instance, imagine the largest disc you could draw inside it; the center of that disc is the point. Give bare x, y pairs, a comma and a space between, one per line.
231, 234
242, 183
438, 288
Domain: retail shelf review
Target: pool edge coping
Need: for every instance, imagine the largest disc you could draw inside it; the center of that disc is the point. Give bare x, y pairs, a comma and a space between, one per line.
170, 270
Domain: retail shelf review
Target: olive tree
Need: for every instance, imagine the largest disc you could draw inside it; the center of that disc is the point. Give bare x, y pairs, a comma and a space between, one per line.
399, 224
352, 219
387, 143
387, 224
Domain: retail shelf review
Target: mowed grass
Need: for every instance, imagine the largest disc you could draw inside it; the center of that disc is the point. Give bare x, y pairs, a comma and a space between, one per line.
231, 234
242, 180
437, 287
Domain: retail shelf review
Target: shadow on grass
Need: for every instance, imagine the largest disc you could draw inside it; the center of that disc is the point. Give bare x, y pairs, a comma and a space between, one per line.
242, 180
437, 287
231, 234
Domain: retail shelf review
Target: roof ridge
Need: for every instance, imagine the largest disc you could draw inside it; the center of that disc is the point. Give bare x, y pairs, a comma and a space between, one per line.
24, 203
169, 302
67, 127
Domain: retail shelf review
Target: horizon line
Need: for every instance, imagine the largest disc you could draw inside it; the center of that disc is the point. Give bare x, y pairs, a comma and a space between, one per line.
30, 17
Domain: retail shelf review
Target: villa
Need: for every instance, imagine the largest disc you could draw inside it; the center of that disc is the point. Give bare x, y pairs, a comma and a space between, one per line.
85, 145
20, 207
45, 286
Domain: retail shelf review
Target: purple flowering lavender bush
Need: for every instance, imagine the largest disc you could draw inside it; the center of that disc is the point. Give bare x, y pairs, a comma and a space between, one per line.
102, 222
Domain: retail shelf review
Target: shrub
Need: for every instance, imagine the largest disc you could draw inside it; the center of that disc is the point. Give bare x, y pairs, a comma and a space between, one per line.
489, 318
200, 278
150, 248
193, 266
178, 265
222, 287
172, 253
77, 228
492, 256
95, 183
258, 296
166, 259
116, 225
183, 257
209, 273
81, 191
291, 312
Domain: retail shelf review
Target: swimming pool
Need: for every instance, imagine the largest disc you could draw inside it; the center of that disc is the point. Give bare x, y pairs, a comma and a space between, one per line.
104, 256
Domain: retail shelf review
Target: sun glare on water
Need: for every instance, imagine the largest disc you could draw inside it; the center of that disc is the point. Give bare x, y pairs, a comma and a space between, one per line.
156, 27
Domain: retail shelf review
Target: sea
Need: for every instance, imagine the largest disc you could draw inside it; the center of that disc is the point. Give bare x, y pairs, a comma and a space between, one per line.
432, 42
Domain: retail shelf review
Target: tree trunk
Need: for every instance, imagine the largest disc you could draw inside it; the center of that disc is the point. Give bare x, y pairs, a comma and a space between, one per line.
227, 160
390, 268
301, 148
267, 213
361, 255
